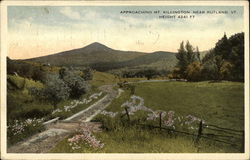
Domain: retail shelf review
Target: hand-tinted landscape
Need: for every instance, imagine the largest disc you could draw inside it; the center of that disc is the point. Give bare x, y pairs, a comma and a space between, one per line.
96, 99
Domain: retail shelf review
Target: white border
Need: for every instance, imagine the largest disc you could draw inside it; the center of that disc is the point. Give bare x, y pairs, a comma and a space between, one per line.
144, 156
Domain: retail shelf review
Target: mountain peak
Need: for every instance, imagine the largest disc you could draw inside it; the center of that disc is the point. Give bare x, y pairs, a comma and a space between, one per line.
96, 46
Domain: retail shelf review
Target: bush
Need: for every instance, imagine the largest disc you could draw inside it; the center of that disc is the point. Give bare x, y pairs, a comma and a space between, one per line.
55, 90
87, 74
77, 84
193, 71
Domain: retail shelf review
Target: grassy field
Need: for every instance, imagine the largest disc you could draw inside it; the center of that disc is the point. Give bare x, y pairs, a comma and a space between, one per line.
220, 104
102, 78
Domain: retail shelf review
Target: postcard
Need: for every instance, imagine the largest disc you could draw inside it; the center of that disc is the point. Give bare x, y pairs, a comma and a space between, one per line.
124, 80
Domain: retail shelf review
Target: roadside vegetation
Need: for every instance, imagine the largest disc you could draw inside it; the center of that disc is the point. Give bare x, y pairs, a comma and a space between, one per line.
56, 92
220, 104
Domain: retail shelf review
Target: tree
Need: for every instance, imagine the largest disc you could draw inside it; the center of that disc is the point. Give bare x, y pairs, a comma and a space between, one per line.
186, 56
182, 59
38, 74
226, 70
87, 74
223, 48
191, 55
237, 56
77, 84
218, 61
226, 60
62, 72
193, 71
150, 73
198, 54
55, 90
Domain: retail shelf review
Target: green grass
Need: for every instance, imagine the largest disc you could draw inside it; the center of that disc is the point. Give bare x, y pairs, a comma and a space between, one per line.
137, 140
100, 78
221, 104
217, 103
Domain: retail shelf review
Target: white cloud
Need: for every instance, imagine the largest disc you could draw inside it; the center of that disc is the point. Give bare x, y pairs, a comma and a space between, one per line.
68, 12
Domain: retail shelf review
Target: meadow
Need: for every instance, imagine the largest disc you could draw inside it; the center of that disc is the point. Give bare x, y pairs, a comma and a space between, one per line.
220, 103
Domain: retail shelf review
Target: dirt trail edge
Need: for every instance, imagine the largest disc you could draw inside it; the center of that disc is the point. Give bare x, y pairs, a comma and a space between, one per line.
54, 133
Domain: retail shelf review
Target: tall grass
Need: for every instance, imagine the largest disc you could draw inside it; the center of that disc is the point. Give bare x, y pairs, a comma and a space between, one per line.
218, 103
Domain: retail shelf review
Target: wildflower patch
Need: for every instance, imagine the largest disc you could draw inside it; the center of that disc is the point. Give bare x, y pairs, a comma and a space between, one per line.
84, 135
169, 118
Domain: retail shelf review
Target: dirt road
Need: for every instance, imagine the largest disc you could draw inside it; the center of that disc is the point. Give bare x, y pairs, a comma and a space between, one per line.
54, 133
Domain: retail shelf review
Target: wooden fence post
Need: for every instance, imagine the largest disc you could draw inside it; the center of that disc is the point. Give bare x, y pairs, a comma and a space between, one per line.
160, 120
126, 109
199, 132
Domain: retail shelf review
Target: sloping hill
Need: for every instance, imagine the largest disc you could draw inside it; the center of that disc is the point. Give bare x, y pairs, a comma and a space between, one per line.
93, 53
103, 58
159, 60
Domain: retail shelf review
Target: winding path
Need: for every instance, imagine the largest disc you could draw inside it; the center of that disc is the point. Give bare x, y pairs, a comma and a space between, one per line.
54, 133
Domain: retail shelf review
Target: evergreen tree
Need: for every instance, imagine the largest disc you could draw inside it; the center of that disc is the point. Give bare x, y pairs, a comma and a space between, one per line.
198, 55
223, 48
237, 56
186, 56
182, 59
191, 56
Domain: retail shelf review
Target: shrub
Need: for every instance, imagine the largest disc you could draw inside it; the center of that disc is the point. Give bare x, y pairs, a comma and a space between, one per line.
77, 84
55, 90
193, 71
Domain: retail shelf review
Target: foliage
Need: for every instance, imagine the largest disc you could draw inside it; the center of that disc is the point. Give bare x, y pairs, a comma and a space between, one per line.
193, 71
26, 70
148, 73
223, 48
186, 56
77, 84
224, 62
226, 59
87, 74
56, 90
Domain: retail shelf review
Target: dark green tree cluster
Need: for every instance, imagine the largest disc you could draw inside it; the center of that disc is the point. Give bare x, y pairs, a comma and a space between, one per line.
77, 84
188, 62
60, 87
25, 70
56, 90
87, 74
148, 73
224, 62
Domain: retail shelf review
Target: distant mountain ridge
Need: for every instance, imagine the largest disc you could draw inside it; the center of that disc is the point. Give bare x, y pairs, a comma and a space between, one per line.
103, 58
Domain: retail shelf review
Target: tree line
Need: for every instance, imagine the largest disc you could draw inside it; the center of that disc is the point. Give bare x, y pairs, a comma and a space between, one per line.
149, 73
223, 62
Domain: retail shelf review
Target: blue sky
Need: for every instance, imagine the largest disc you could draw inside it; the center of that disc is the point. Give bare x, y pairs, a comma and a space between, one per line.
37, 31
